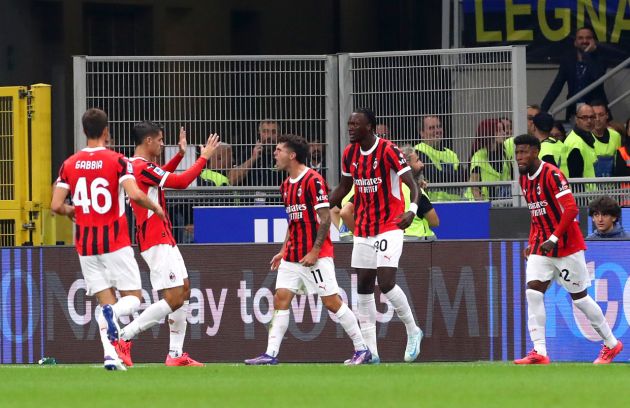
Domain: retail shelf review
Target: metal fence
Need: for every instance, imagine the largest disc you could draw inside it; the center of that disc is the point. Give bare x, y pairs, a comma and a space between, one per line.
458, 108
246, 100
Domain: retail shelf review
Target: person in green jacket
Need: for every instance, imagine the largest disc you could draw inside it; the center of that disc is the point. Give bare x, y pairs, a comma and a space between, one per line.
488, 162
551, 150
441, 165
218, 168
580, 144
607, 140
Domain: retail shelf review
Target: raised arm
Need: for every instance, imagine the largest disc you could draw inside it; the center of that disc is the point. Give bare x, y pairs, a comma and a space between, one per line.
182, 180
171, 166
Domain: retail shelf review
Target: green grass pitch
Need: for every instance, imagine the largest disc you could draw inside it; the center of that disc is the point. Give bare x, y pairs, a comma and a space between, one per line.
304, 385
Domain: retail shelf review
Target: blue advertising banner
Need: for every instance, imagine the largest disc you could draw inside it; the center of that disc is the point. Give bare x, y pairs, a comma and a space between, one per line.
468, 297
570, 336
215, 225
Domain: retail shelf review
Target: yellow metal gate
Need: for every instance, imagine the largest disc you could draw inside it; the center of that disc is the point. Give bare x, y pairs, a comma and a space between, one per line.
25, 174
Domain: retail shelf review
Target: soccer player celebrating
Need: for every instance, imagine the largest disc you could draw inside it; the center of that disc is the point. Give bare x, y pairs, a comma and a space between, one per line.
555, 251
376, 167
95, 177
306, 257
157, 245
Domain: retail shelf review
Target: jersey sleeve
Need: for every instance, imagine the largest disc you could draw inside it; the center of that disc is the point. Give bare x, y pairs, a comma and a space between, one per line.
151, 174
125, 169
396, 159
558, 183
345, 162
62, 180
319, 192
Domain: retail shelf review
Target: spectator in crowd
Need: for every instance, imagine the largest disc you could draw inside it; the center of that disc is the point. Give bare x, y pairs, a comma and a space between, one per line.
218, 169
558, 132
426, 217
607, 140
382, 130
532, 110
606, 215
441, 165
551, 150
622, 157
259, 168
579, 68
488, 161
580, 144
316, 161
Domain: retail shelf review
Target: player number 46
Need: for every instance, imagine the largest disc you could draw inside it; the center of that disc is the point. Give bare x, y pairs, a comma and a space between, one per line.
96, 197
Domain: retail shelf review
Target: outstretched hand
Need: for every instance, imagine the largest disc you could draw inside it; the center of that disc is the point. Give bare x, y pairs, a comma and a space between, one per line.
183, 143
211, 146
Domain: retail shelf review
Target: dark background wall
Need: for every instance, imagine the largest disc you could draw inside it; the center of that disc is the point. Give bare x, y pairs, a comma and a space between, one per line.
39, 37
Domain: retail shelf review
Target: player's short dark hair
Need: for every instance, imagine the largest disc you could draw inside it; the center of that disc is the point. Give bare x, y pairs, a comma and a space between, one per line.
144, 129
296, 144
527, 139
543, 122
533, 106
369, 114
94, 122
605, 205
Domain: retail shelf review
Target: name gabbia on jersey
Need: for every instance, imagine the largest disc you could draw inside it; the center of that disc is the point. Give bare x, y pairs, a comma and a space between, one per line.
93, 176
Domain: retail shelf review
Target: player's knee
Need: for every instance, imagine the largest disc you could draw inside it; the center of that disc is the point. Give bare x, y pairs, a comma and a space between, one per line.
386, 286
365, 286
538, 285
282, 299
174, 297
332, 303
579, 295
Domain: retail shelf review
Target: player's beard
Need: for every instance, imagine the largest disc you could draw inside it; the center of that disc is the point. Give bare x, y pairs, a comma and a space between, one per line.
523, 169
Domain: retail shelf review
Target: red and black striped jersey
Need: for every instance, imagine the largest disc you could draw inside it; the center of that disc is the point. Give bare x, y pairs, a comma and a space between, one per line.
378, 198
93, 176
543, 192
302, 197
150, 229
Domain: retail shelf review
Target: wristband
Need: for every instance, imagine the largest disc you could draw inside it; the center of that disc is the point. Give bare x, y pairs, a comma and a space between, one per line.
553, 239
413, 207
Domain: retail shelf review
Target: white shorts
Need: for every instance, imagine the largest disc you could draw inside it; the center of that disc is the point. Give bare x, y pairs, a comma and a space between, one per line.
166, 266
317, 279
383, 250
569, 271
117, 269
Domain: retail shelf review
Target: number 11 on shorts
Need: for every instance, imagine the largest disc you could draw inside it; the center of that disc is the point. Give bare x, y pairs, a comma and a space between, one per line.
315, 276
